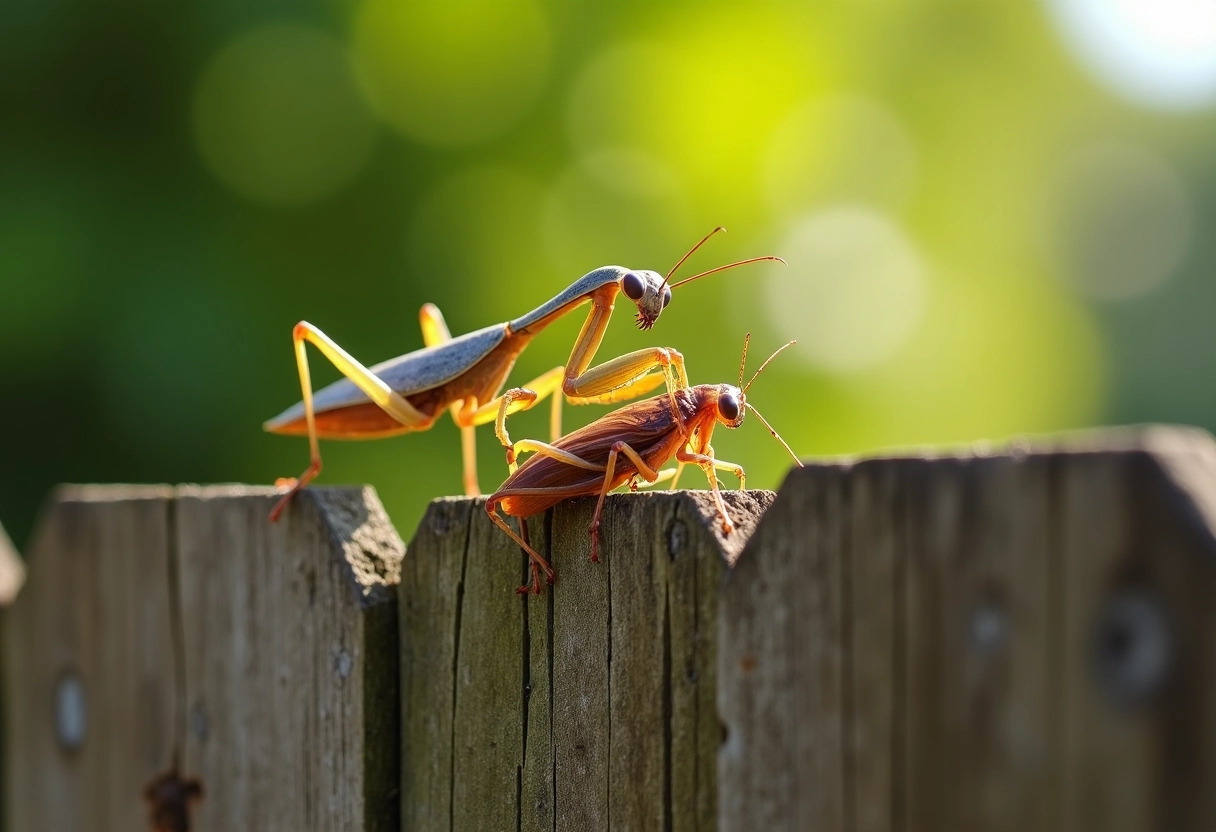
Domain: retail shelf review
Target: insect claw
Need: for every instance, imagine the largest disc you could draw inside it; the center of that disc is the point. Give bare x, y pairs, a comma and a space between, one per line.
531, 586
294, 484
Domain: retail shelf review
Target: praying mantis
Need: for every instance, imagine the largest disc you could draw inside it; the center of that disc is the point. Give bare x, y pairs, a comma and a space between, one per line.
465, 374
630, 444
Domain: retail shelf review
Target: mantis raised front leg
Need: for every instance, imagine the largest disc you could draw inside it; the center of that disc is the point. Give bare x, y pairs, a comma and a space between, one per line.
619, 379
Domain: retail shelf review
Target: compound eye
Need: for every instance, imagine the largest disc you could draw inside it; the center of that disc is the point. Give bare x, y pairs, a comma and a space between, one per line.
728, 406
633, 286
666, 296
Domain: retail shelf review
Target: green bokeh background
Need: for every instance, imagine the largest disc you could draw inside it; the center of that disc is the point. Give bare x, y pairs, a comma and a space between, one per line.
986, 236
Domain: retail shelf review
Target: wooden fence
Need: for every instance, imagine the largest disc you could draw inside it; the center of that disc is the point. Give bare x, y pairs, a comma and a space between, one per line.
1013, 640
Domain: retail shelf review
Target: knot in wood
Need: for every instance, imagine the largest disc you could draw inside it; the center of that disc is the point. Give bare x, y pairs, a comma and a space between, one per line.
677, 538
1133, 649
170, 798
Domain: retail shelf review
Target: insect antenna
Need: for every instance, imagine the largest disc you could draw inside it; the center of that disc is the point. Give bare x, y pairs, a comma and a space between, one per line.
690, 253
766, 363
729, 266
743, 361
776, 436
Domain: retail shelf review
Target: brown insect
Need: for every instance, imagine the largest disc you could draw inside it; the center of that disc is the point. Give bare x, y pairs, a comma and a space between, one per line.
628, 445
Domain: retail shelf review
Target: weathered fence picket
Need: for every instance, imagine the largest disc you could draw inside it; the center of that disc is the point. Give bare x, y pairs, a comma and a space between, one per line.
1022, 639
591, 706
1008, 641
173, 632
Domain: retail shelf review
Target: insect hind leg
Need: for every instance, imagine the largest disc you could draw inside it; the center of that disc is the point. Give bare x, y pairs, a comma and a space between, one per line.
538, 563
388, 400
435, 332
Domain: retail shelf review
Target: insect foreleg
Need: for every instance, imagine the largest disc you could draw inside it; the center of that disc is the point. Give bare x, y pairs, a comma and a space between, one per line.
629, 390
708, 463
592, 332
664, 475
523, 398
606, 383
723, 465
584, 386
509, 399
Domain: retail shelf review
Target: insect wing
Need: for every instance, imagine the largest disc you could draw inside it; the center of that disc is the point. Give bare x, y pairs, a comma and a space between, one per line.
410, 373
644, 425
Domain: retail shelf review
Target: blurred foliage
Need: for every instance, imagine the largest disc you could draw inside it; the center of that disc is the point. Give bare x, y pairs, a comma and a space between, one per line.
986, 236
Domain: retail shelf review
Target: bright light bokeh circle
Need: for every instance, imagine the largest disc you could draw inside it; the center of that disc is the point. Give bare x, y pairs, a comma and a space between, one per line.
853, 293
967, 372
451, 73
278, 118
1158, 53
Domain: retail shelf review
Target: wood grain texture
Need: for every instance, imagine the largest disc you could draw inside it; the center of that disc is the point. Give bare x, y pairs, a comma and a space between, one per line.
94, 618
588, 707
987, 641
782, 664
978, 732
253, 657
